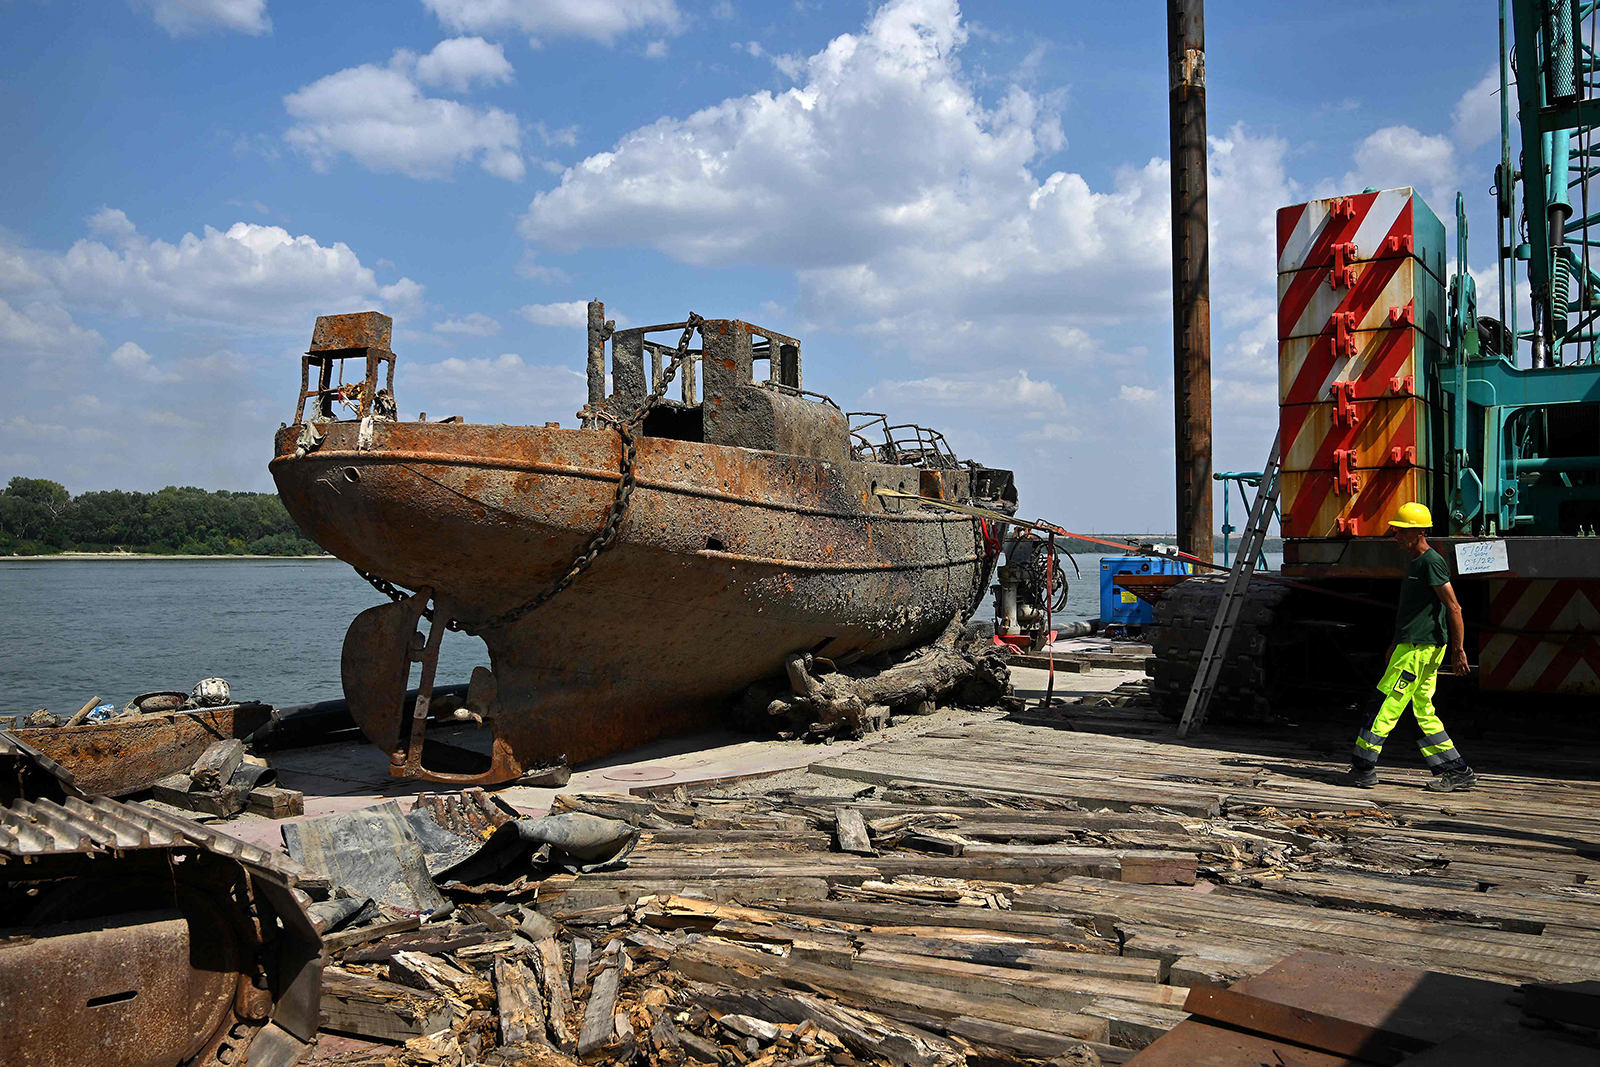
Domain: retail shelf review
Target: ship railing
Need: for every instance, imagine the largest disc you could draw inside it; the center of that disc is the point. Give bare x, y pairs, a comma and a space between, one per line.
779, 387
661, 354
904, 444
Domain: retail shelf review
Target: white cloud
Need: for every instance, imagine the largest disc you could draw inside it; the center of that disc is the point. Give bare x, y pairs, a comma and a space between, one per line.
476, 324
1018, 395
1400, 155
567, 135
503, 388
656, 50
137, 362
40, 328
1476, 118
248, 277
404, 298
906, 206
722, 10
597, 20
1137, 395
181, 18
463, 61
380, 117
566, 313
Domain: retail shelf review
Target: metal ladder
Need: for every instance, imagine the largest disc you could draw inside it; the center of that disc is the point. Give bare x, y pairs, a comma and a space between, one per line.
1244, 566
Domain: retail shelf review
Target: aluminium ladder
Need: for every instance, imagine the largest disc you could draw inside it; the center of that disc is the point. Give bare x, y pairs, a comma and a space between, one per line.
1233, 591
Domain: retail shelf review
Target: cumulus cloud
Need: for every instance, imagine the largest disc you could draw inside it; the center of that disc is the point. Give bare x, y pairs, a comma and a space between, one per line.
380, 117
182, 18
476, 324
1476, 118
248, 277
906, 205
1401, 155
462, 62
39, 328
1137, 395
1017, 395
565, 313
137, 362
504, 388
596, 20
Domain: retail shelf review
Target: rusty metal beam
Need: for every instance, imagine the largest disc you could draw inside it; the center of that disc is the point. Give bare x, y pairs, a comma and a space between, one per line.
1191, 275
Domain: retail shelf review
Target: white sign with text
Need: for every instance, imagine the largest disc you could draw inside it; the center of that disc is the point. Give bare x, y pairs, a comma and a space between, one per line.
1481, 557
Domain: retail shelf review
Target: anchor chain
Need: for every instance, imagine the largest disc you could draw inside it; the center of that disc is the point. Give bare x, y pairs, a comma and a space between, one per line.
607, 534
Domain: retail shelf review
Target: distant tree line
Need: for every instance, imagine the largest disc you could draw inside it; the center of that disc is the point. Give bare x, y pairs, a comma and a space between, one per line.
39, 517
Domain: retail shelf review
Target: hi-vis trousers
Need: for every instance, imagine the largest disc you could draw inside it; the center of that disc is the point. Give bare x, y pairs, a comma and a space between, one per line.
1409, 681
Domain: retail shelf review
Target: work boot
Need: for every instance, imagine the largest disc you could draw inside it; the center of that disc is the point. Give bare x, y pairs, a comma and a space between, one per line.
1360, 775
1453, 781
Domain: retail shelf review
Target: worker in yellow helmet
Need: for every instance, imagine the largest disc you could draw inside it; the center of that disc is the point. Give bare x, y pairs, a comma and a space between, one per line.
1427, 606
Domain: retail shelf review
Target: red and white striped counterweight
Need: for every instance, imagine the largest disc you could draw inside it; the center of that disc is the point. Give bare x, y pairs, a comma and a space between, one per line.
1361, 322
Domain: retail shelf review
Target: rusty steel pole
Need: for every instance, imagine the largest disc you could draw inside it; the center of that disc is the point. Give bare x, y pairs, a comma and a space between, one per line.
1191, 275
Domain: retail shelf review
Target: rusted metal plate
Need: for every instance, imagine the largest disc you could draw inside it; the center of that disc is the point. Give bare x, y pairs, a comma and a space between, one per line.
1195, 1043
1357, 1007
363, 329
133, 752
375, 665
27, 772
141, 990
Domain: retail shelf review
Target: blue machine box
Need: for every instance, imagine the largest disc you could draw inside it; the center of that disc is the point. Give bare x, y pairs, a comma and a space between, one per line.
1118, 607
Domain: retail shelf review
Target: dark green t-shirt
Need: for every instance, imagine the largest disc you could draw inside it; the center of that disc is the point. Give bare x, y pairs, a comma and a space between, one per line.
1420, 618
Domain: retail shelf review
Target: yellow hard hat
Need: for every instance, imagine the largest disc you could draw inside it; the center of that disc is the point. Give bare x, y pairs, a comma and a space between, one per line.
1413, 516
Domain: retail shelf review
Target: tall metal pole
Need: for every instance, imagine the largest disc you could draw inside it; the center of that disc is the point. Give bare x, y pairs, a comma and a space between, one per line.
1191, 275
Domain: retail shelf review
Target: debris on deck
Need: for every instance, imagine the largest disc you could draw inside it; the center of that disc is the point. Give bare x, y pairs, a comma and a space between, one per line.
997, 892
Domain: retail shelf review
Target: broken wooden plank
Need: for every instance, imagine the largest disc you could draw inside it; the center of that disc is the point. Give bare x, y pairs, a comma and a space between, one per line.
599, 1015
382, 1011
548, 966
518, 1003
216, 764
275, 802
850, 832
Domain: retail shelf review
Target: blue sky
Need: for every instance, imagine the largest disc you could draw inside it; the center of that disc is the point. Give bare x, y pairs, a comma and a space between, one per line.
962, 211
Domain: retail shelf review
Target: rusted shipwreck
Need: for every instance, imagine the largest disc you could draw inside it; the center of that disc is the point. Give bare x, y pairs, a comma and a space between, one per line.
704, 537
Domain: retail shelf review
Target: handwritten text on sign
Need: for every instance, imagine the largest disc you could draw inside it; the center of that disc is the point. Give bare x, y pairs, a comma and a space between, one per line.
1481, 557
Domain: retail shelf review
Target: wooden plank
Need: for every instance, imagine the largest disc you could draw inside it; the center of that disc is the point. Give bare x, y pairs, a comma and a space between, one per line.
518, 1003
360, 935
548, 967
382, 1011
599, 1020
1135, 1024
581, 947
850, 831
860, 767
216, 764
1037, 988
275, 802
1024, 956
895, 998
880, 915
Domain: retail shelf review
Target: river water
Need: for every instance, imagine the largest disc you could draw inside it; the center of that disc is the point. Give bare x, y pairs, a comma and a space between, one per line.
74, 629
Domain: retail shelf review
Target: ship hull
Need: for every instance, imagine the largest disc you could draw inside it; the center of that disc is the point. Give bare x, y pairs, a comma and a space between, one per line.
728, 560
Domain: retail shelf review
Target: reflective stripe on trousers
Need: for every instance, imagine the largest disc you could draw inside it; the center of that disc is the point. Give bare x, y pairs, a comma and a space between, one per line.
1409, 681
